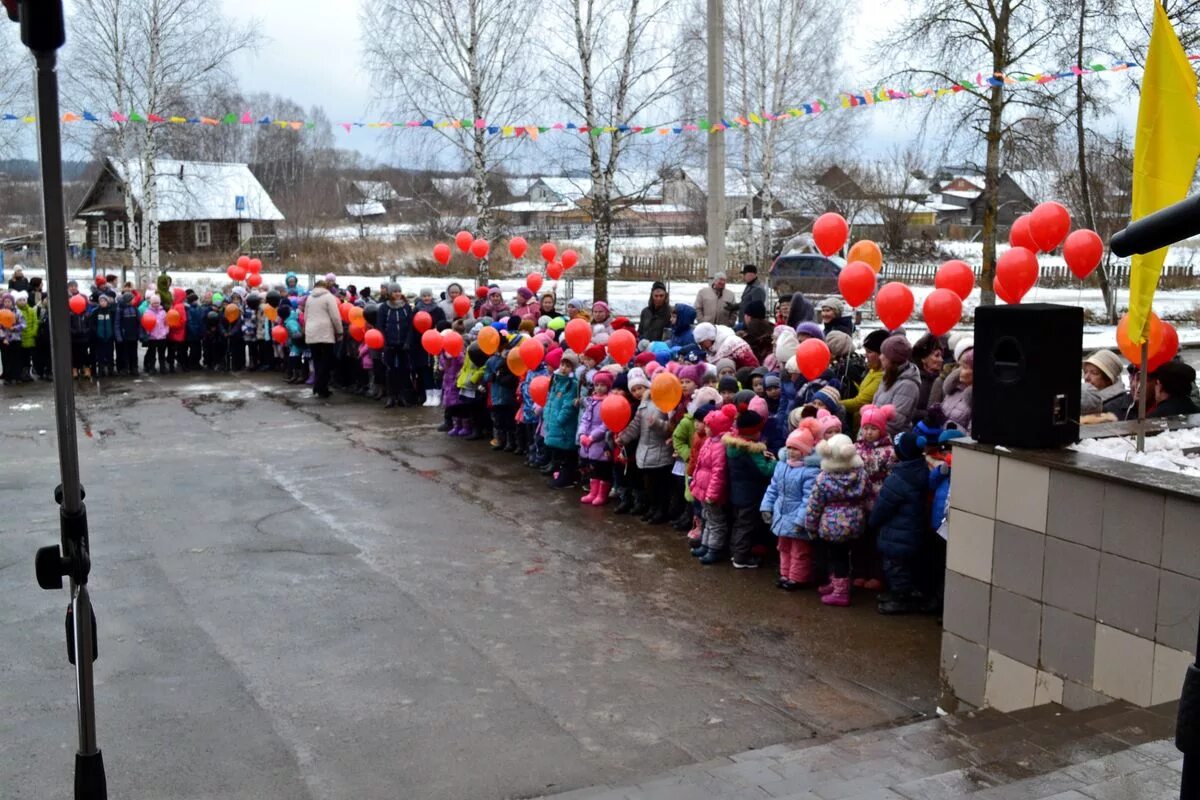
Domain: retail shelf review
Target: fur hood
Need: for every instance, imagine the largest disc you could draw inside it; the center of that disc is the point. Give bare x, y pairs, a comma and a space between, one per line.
738, 443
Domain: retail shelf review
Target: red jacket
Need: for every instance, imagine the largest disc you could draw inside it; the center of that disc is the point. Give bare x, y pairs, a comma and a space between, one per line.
709, 482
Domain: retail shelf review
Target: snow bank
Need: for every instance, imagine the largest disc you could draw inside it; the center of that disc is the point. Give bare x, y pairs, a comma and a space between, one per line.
1163, 451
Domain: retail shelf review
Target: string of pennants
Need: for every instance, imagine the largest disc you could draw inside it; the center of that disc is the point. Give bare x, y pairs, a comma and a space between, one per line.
843, 100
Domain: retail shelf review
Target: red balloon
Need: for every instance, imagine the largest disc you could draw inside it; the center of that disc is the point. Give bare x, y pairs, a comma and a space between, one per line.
579, 335
374, 339
534, 282
615, 412
856, 282
957, 276
621, 346
422, 321
1019, 234
481, 292
555, 270
236, 272
1168, 349
517, 247
244, 262
1083, 251
812, 356
463, 239
358, 331
344, 311
432, 342
1017, 269
255, 266
149, 320
279, 334
894, 305
441, 253
452, 343
942, 309
462, 305
532, 353
539, 389
830, 232
569, 259
1003, 293
480, 248
254, 280
78, 303
549, 251
1048, 224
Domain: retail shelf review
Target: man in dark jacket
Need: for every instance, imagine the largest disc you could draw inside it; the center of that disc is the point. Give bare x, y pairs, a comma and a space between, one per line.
18, 282
754, 291
195, 331
395, 320
128, 330
1171, 386
900, 517
656, 317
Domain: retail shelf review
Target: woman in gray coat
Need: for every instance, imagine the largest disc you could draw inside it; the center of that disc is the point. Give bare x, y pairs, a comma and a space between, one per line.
901, 384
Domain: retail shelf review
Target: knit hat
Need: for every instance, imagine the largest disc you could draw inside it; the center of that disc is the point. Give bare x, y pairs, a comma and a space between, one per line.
576, 304
962, 346
744, 376
750, 423
759, 406
830, 397
896, 349
727, 384
637, 377
792, 367
602, 378
527, 326
705, 395
840, 344
834, 303
1107, 362
692, 372
877, 416
524, 293
772, 382
570, 357
950, 434
701, 413
742, 399
828, 422
599, 305
838, 454
705, 332
691, 354
795, 417
927, 430
786, 343
644, 358
801, 442
874, 340
620, 323
755, 309
726, 363
968, 359
595, 353
720, 422
910, 446
811, 330
652, 369
543, 321
513, 323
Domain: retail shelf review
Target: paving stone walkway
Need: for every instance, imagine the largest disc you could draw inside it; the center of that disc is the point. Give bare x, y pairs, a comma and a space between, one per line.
1112, 752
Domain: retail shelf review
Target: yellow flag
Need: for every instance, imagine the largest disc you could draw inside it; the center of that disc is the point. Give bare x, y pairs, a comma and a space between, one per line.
1164, 153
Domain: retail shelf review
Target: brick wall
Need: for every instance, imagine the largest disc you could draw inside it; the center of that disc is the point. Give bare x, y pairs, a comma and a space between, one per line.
1067, 584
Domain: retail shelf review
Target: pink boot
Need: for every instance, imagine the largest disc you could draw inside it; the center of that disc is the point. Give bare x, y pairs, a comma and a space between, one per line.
825, 588
840, 596
593, 489
697, 531
601, 493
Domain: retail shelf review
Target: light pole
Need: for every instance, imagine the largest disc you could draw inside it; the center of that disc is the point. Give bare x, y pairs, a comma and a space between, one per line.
715, 206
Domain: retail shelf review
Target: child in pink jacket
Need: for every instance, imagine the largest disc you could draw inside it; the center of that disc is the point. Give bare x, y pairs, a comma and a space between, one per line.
710, 486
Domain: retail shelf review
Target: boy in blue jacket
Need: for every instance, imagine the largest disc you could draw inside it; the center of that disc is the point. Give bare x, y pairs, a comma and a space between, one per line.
901, 515
503, 396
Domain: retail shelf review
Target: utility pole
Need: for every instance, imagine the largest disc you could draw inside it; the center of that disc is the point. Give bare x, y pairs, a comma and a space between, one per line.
715, 204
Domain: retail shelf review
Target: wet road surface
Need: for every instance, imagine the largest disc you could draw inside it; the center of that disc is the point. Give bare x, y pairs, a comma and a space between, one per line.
302, 598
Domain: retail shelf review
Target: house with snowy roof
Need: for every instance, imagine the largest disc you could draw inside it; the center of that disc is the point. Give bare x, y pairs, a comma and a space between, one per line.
202, 207
1019, 192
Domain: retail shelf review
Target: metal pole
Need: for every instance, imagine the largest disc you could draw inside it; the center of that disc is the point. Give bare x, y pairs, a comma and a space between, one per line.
715, 205
1143, 388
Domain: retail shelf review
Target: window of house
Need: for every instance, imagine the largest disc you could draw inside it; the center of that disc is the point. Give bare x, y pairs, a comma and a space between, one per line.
203, 234
118, 237
102, 228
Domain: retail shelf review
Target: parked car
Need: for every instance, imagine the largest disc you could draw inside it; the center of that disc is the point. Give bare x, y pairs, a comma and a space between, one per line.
811, 273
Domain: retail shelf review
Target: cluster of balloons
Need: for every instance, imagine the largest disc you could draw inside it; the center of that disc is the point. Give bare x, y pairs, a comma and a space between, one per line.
1042, 231
517, 248
1162, 342
246, 269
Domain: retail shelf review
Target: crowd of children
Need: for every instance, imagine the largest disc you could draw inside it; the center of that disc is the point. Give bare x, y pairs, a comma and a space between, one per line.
844, 475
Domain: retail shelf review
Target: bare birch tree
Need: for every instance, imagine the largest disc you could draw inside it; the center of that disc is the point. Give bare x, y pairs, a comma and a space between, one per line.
955, 37
145, 57
466, 61
15, 95
619, 68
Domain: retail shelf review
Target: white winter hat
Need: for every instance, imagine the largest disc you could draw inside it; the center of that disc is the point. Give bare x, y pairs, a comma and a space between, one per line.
838, 454
637, 377
962, 346
705, 332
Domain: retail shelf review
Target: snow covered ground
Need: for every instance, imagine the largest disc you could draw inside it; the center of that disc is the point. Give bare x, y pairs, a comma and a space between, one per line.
1181, 255
1164, 451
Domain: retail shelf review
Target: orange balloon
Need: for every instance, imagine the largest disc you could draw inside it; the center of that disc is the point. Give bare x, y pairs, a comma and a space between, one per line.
489, 340
867, 252
452, 343
665, 391
7, 318
270, 313
432, 342
232, 312
1154, 336
356, 314
515, 364
174, 320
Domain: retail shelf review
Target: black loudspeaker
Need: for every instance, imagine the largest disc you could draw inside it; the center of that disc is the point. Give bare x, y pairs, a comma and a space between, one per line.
1027, 375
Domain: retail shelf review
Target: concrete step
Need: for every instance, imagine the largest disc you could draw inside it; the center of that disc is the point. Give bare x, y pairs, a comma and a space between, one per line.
1116, 750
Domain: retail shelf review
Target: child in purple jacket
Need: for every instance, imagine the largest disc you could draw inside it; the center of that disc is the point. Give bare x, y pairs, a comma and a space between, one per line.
591, 438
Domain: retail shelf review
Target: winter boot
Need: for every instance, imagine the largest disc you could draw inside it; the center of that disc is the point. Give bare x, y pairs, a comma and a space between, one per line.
428, 399
522, 449
698, 551
447, 425
840, 596
694, 535
826, 587
25, 376
500, 440
593, 489
713, 557
564, 478
435, 398
626, 504
602, 493
510, 442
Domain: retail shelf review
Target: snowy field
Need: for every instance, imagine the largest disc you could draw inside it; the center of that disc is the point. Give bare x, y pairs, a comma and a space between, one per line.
1163, 451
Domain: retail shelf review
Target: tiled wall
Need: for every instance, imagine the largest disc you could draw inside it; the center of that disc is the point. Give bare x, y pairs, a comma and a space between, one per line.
1064, 588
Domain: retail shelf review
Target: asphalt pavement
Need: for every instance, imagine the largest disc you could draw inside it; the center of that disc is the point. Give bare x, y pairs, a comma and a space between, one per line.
322, 599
